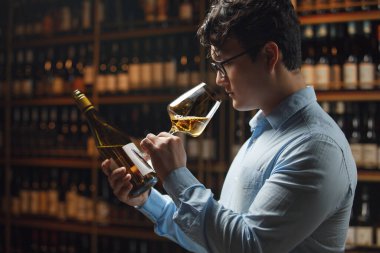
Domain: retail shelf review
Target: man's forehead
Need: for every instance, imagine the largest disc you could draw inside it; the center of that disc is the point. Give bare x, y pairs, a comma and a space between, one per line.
230, 45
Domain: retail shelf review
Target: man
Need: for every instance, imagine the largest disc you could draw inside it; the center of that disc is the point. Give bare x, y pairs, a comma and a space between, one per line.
291, 186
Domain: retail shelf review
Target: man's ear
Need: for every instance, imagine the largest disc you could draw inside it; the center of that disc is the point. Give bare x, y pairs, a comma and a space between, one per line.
271, 54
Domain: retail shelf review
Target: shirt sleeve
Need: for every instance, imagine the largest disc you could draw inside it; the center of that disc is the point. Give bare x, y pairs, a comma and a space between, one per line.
160, 209
308, 183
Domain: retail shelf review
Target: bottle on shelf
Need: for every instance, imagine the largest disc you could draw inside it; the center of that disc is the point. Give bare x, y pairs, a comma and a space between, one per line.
77, 82
170, 64
378, 55
146, 67
308, 52
186, 11
101, 78
366, 64
118, 147
364, 230
158, 65
370, 155
350, 66
135, 67
183, 70
88, 70
112, 70
355, 138
336, 38
122, 75
322, 66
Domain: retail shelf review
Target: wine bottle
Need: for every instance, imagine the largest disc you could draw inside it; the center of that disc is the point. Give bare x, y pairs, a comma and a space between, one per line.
322, 67
118, 147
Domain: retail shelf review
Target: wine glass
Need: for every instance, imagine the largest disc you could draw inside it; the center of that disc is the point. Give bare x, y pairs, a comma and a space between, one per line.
192, 111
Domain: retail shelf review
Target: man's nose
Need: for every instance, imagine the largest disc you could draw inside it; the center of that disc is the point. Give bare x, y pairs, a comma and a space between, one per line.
220, 79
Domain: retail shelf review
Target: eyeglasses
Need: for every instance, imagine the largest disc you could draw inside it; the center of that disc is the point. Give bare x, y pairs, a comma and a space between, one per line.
217, 66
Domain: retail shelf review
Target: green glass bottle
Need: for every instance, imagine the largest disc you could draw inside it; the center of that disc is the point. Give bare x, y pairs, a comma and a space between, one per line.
117, 146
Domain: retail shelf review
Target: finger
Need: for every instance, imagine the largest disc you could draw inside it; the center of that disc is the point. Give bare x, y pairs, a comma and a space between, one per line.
118, 173
116, 177
165, 134
147, 145
106, 165
123, 186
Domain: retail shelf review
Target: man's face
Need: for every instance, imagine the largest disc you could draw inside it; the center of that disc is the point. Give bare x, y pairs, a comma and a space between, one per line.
245, 79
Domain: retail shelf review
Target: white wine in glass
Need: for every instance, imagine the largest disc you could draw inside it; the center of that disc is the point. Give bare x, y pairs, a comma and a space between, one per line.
192, 111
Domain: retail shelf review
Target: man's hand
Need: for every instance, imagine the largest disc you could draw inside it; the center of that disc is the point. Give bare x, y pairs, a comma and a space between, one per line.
166, 152
119, 181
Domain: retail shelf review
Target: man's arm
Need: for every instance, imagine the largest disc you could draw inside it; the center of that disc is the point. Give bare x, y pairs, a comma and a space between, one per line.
308, 183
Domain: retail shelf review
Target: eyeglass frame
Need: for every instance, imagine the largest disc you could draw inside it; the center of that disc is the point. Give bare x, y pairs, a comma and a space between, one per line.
217, 66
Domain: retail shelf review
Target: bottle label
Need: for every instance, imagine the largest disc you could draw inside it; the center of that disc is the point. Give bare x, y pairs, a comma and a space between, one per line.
146, 77
134, 154
350, 75
367, 75
370, 155
122, 82
158, 74
170, 73
322, 76
350, 239
88, 73
378, 236
307, 71
101, 84
111, 82
364, 236
335, 76
357, 152
53, 202
134, 76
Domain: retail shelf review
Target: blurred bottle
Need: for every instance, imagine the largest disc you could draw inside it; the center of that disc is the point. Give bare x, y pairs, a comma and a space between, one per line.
350, 66
146, 66
364, 230
135, 67
308, 52
183, 70
170, 64
112, 70
336, 38
27, 83
158, 65
52, 194
101, 78
322, 66
370, 138
186, 11
123, 70
88, 70
355, 139
367, 73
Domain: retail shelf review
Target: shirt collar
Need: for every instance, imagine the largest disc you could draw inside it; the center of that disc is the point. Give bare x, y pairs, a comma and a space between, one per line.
286, 109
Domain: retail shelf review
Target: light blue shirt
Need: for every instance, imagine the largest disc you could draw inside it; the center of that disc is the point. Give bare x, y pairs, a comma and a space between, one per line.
289, 189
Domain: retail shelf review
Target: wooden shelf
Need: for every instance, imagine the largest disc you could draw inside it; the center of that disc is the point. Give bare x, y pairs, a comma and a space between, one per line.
52, 101
53, 40
369, 176
148, 32
338, 95
346, 95
145, 233
86, 38
340, 17
53, 225
53, 162
129, 232
133, 99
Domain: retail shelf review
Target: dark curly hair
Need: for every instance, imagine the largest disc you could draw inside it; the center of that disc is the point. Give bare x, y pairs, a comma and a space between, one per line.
253, 23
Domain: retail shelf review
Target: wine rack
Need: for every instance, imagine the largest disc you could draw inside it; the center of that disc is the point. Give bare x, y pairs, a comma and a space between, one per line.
226, 132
